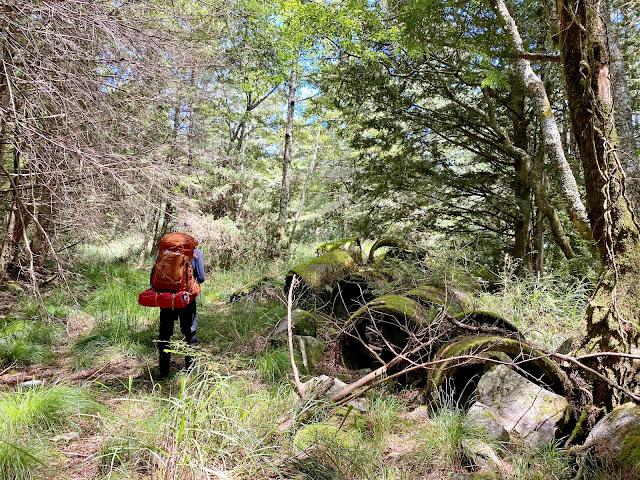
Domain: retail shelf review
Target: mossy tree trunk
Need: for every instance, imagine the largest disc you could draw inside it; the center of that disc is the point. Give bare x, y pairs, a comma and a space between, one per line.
623, 108
285, 192
521, 187
612, 316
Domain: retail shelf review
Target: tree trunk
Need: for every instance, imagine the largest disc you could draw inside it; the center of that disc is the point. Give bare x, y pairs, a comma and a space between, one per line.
192, 129
538, 244
544, 207
285, 191
40, 245
312, 167
7, 246
611, 322
550, 132
521, 188
623, 113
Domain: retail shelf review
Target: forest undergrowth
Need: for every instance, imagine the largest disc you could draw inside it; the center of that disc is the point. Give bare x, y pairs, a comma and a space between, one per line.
78, 399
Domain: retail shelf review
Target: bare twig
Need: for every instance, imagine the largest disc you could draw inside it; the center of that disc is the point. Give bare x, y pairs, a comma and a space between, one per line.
294, 367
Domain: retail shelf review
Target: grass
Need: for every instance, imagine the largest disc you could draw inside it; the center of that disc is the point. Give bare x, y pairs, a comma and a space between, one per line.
28, 417
26, 342
547, 310
212, 424
242, 324
122, 327
112, 338
549, 461
275, 364
384, 415
221, 421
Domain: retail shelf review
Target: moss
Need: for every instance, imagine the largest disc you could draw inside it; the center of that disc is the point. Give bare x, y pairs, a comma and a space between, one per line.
324, 272
349, 418
396, 305
484, 346
323, 434
305, 323
254, 286
578, 429
488, 475
548, 408
350, 245
435, 295
630, 455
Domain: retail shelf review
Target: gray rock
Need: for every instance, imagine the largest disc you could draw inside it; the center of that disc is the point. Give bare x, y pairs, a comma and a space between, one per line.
521, 406
482, 454
311, 348
617, 435
480, 416
31, 383
336, 387
422, 412
324, 386
66, 437
304, 323
317, 386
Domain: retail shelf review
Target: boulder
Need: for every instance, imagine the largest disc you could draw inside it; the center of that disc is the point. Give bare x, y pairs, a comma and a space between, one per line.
31, 383
617, 436
519, 405
482, 455
311, 348
324, 386
480, 416
304, 323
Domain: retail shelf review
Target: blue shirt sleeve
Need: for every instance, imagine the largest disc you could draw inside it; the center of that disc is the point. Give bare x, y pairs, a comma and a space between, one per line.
198, 266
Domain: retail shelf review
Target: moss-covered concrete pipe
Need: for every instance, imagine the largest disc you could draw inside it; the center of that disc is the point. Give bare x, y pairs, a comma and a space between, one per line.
454, 301
463, 373
263, 283
351, 293
394, 316
486, 318
320, 274
351, 245
395, 245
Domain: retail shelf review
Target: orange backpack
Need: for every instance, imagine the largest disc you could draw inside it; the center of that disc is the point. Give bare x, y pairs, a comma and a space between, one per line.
173, 271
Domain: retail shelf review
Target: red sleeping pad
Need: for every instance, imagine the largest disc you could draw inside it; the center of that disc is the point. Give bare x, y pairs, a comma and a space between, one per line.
151, 298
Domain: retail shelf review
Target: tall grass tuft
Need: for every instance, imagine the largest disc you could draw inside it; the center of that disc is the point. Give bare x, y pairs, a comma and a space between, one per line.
384, 415
123, 327
239, 325
212, 426
548, 462
113, 337
274, 365
26, 416
547, 310
26, 342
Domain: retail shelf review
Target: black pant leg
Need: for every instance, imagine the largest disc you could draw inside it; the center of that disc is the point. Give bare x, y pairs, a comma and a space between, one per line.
167, 318
188, 324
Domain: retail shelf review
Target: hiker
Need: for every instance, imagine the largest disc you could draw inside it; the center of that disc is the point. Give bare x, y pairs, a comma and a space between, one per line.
188, 322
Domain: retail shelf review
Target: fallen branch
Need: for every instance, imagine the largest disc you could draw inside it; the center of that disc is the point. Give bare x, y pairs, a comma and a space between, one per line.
294, 367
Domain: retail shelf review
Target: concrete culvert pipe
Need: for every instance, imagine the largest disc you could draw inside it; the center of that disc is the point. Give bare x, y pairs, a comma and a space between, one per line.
384, 325
460, 364
318, 276
350, 294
